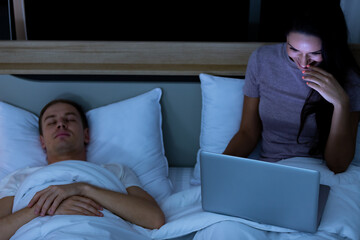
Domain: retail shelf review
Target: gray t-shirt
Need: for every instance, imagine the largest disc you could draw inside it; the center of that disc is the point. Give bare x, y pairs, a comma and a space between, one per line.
276, 80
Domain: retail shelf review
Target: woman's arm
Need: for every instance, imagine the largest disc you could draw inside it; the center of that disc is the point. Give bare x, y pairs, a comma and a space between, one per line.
245, 140
340, 146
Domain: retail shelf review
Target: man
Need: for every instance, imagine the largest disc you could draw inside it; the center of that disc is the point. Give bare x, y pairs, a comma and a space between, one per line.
64, 134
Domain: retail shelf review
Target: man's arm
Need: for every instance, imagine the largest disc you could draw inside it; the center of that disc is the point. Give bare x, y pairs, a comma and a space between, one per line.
10, 223
137, 206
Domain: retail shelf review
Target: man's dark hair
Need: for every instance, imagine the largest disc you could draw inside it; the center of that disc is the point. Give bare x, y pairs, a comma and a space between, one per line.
74, 104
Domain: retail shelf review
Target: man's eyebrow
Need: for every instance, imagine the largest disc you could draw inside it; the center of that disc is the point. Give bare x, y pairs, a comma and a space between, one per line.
48, 117
71, 113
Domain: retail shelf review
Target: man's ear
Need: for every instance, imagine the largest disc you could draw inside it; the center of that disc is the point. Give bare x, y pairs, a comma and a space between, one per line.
42, 142
86, 136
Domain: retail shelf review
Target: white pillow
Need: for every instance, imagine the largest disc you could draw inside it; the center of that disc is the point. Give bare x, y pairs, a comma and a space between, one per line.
129, 132
222, 101
126, 132
19, 140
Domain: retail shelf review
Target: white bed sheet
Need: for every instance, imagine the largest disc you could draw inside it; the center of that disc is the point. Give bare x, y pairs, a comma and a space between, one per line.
180, 178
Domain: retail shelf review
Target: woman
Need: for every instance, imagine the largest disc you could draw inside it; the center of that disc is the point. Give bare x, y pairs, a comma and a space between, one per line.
301, 97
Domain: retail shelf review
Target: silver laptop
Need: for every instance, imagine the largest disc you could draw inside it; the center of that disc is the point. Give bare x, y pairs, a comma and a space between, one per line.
264, 192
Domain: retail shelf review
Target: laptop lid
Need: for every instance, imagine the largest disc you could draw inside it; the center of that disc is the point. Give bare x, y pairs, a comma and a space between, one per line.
260, 191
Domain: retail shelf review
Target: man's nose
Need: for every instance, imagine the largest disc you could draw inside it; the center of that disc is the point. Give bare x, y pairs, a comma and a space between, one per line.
61, 124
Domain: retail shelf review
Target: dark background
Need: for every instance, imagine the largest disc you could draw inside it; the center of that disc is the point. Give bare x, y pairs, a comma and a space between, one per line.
225, 20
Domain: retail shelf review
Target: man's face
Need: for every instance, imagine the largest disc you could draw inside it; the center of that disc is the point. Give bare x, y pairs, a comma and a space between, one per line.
63, 133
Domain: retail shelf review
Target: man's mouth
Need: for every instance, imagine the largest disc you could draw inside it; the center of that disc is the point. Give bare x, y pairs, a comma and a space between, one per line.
62, 134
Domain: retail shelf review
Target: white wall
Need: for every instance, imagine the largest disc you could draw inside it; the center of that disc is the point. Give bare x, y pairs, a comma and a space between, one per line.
351, 9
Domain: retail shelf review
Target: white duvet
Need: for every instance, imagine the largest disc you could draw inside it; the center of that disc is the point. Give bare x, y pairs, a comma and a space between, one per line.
183, 211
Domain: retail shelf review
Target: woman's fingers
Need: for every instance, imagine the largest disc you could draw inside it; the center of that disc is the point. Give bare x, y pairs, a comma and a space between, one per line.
325, 84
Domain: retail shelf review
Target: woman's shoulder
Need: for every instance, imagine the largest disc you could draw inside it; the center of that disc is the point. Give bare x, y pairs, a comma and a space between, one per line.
266, 53
270, 49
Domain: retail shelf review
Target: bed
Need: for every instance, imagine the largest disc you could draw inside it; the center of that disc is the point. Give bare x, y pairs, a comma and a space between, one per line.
174, 89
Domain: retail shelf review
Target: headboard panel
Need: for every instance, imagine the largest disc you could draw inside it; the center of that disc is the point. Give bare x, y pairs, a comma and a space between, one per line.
181, 105
134, 58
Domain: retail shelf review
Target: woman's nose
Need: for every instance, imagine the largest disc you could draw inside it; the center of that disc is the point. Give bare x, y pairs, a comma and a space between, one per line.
304, 61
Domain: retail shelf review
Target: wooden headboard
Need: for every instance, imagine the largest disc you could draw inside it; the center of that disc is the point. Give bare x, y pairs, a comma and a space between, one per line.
131, 58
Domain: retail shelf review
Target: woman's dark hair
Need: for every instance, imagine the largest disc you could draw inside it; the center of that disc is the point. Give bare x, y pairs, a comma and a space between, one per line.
327, 22
74, 104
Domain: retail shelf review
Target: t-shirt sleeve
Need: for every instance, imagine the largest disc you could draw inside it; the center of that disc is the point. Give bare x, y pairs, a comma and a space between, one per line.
11, 183
251, 86
7, 187
124, 174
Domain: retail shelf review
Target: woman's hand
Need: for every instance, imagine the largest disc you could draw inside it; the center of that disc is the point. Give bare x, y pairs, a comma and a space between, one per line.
341, 141
48, 200
77, 205
326, 85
